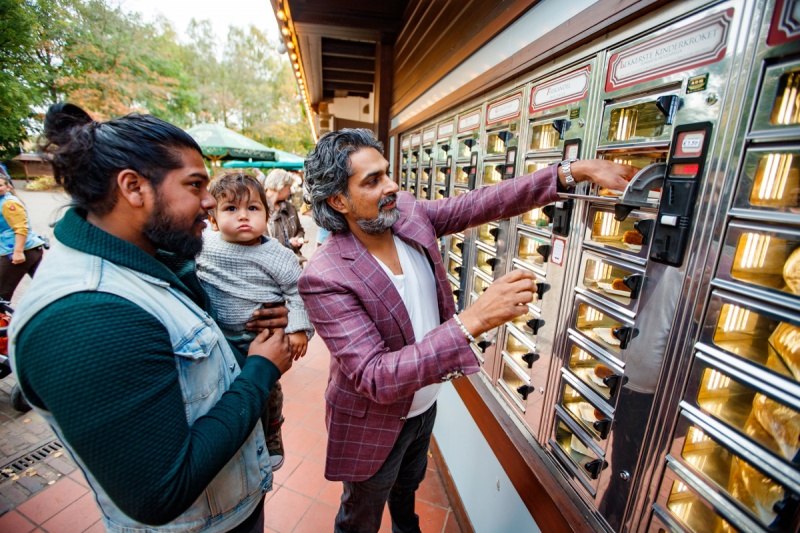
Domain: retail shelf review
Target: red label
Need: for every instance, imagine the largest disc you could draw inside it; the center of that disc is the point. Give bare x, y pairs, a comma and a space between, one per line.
785, 25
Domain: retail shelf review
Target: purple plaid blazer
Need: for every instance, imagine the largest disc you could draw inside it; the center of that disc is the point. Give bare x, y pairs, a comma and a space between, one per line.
376, 363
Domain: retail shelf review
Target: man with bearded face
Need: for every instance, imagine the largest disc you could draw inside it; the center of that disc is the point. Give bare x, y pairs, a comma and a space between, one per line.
377, 293
115, 344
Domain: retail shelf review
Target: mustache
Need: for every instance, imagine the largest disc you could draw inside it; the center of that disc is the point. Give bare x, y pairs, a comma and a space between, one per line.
389, 199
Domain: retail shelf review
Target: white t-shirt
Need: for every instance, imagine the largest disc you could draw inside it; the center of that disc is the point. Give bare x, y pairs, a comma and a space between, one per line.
417, 288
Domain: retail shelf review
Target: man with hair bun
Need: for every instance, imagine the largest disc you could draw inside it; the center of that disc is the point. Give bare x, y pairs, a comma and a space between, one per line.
159, 412
377, 293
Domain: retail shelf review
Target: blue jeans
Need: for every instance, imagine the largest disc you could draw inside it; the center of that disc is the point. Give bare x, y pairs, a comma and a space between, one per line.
397, 482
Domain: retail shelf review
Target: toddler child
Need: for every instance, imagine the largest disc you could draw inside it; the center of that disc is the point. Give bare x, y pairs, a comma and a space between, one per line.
241, 269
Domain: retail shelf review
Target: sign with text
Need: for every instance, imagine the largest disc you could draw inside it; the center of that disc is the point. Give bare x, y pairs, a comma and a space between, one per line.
563, 90
470, 121
428, 135
445, 130
505, 109
415, 139
695, 45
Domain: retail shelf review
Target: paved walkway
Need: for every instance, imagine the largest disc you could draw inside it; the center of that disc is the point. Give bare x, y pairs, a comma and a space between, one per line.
42, 490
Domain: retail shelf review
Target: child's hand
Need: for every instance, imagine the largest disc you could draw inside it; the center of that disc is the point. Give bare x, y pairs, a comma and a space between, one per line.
298, 344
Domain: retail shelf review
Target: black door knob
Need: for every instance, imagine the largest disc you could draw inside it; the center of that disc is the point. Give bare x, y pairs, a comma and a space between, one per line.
524, 390
530, 358
595, 467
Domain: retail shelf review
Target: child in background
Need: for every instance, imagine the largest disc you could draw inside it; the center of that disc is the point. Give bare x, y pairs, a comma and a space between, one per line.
241, 269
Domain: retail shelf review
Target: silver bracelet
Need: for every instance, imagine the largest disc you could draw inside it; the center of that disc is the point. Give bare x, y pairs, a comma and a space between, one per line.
464, 330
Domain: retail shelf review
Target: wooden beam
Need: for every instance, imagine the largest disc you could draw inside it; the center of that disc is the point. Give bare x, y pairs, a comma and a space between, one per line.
339, 47
349, 86
348, 63
383, 93
347, 76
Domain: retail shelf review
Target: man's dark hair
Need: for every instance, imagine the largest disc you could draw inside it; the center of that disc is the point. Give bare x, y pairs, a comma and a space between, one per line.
327, 170
88, 155
237, 186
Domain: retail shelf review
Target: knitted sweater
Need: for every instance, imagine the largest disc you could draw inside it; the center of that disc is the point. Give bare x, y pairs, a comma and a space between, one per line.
239, 279
105, 368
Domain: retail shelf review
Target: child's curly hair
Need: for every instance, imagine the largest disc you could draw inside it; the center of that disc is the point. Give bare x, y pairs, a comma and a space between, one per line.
236, 186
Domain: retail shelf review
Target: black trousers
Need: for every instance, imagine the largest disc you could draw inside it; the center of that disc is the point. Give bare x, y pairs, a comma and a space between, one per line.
11, 274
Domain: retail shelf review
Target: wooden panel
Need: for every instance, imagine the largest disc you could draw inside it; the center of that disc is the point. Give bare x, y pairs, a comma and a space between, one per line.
348, 63
450, 489
347, 86
340, 47
346, 76
443, 34
603, 17
538, 488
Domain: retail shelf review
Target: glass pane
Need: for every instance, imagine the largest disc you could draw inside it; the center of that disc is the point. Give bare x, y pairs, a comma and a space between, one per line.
590, 370
454, 289
608, 231
521, 322
512, 379
441, 176
528, 249
480, 285
599, 327
786, 109
584, 412
494, 144
459, 192
536, 217
777, 181
483, 259
456, 245
533, 166
693, 513
485, 233
439, 193
423, 193
543, 136
461, 175
455, 269
573, 447
464, 148
636, 159
492, 173
607, 279
441, 153
767, 260
751, 488
638, 120
770, 423
404, 158
765, 341
414, 157
412, 189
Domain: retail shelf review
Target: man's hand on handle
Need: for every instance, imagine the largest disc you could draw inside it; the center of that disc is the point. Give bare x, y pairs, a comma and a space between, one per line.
506, 298
604, 173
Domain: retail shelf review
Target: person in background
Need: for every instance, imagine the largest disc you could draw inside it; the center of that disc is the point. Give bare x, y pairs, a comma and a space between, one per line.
241, 269
114, 343
284, 221
21, 248
322, 234
378, 295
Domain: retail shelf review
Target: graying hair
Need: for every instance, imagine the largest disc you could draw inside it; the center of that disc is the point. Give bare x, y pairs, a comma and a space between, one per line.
327, 171
278, 179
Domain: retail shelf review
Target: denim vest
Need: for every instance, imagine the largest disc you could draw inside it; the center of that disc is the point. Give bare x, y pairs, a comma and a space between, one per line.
206, 368
7, 236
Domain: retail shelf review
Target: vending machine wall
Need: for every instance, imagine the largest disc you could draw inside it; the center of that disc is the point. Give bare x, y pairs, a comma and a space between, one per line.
443, 158
405, 145
426, 163
414, 164
732, 459
659, 110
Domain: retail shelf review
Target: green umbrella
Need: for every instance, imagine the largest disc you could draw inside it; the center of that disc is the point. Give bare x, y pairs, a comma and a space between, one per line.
286, 165
218, 143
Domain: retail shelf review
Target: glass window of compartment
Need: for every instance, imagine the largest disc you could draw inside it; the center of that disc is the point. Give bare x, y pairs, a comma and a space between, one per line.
487, 234
760, 338
454, 268
638, 159
494, 142
532, 165
442, 148
775, 178
753, 489
456, 245
465, 147
459, 191
786, 109
607, 231
426, 154
525, 322
516, 349
767, 259
479, 285
438, 193
542, 136
414, 156
573, 447
492, 173
770, 423
513, 381
607, 279
599, 327
693, 512
441, 174
462, 176
412, 189
454, 288
485, 261
590, 370
636, 121
529, 249
536, 217
584, 412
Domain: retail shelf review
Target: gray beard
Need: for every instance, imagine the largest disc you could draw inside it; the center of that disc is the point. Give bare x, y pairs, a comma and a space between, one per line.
379, 224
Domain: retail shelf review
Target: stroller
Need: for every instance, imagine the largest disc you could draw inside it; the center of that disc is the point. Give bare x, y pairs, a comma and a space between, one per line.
18, 401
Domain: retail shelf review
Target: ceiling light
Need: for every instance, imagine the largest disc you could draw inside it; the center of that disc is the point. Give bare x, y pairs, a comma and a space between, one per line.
290, 45
281, 15
297, 74
285, 31
296, 66
294, 57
